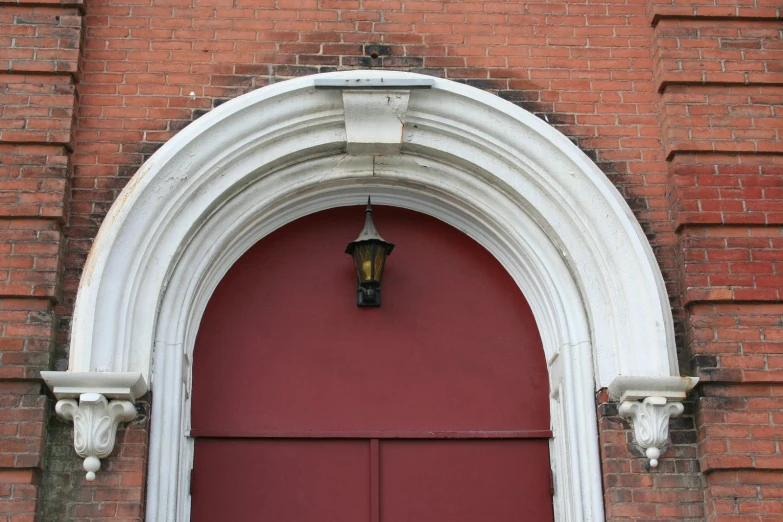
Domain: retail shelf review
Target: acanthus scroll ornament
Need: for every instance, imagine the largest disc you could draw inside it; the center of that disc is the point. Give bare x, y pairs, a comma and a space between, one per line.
95, 422
650, 420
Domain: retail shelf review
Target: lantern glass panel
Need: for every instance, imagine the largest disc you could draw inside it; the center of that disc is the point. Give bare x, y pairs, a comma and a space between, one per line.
363, 260
379, 262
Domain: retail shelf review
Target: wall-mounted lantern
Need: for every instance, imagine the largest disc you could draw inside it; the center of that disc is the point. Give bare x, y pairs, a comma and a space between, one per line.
369, 252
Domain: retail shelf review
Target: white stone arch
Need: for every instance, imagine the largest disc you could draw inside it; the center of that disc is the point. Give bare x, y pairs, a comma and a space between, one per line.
471, 159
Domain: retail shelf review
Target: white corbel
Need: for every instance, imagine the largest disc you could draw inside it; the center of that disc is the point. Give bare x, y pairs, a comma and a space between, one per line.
650, 420
104, 401
95, 422
649, 403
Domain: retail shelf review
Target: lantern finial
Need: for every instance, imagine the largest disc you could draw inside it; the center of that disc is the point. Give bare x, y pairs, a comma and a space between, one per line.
369, 231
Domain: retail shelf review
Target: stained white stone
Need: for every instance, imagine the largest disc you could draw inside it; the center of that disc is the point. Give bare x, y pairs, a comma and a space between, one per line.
374, 120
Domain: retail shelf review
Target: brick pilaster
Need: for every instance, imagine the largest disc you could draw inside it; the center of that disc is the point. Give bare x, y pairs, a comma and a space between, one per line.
39, 57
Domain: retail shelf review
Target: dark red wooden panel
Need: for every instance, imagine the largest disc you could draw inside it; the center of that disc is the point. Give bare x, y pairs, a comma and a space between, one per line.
454, 346
465, 481
241, 480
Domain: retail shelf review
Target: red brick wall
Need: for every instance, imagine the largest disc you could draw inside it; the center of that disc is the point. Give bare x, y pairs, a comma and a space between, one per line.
730, 189
679, 102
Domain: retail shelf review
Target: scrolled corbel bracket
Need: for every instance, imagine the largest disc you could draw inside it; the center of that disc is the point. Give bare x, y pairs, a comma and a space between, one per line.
649, 403
650, 421
95, 422
96, 403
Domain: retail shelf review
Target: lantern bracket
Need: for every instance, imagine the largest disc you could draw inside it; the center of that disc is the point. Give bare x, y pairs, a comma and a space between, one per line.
368, 294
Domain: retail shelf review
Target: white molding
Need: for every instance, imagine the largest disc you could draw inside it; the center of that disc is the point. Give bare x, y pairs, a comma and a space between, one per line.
95, 421
471, 159
650, 420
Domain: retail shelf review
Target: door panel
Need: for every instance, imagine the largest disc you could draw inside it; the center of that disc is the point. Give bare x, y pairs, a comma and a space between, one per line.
324, 480
281, 480
453, 347
465, 481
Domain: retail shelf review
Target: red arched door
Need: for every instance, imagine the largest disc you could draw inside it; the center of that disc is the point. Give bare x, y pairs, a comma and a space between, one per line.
432, 408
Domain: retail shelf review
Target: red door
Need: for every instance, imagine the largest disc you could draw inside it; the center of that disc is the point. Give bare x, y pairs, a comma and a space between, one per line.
433, 407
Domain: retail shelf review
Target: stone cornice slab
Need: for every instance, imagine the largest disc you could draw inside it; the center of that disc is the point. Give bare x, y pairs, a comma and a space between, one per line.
127, 386
626, 388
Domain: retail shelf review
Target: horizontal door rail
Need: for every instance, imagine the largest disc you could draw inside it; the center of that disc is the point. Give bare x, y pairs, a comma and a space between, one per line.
371, 434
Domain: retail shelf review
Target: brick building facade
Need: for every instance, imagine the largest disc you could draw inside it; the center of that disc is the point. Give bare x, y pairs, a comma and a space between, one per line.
679, 103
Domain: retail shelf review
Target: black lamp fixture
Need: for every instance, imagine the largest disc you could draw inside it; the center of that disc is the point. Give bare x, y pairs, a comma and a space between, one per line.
369, 252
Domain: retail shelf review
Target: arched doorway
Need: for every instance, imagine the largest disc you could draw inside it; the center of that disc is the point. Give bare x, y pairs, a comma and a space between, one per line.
432, 407
497, 173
